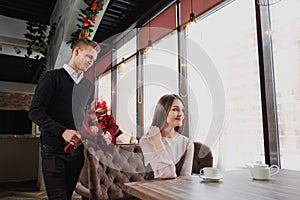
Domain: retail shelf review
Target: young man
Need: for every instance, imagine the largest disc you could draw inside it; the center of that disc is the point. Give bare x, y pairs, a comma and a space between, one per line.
58, 107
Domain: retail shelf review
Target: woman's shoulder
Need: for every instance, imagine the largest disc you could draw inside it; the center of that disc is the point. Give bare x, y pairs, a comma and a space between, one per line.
184, 139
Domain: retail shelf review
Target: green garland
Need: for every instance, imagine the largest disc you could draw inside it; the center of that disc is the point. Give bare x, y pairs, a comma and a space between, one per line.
87, 19
38, 39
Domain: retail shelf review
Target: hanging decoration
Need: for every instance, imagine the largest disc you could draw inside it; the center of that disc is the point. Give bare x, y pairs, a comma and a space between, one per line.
192, 14
38, 38
87, 19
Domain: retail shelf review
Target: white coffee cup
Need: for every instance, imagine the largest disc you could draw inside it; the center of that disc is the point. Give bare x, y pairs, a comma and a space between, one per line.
210, 172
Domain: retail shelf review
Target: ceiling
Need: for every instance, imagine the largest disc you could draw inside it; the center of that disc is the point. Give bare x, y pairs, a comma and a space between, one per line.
119, 15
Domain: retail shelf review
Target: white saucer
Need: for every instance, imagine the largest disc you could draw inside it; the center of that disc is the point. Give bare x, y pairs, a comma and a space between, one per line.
210, 179
262, 179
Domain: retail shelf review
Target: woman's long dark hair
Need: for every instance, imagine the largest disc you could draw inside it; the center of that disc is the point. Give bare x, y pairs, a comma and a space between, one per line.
162, 109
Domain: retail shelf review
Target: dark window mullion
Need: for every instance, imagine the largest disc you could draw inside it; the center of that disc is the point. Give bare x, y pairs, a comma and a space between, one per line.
182, 69
114, 83
267, 80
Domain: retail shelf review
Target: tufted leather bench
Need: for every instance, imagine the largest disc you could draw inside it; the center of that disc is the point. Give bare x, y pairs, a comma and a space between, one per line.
102, 176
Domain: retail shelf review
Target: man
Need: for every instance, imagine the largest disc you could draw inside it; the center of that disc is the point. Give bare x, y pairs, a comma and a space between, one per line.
57, 107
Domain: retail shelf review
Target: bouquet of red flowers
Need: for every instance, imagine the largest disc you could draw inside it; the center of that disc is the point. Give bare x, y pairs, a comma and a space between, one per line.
98, 130
107, 122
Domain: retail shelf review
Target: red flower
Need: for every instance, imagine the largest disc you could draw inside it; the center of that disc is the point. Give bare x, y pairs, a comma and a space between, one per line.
94, 6
101, 104
102, 126
106, 122
86, 22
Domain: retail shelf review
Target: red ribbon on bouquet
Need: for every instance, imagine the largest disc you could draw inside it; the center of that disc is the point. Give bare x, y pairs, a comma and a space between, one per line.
69, 147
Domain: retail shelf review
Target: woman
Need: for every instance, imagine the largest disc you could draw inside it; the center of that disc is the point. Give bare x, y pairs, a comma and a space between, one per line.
169, 153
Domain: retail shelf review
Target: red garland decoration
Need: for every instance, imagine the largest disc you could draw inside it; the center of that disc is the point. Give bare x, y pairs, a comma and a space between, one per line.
86, 22
94, 7
87, 19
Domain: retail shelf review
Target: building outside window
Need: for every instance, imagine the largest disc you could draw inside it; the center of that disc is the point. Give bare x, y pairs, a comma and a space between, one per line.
126, 100
227, 36
285, 30
160, 73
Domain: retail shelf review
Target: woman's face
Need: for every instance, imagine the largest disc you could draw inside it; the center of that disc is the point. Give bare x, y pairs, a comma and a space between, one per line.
176, 114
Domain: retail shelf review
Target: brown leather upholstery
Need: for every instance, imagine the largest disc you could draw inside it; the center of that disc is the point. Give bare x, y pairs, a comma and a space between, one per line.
203, 157
104, 176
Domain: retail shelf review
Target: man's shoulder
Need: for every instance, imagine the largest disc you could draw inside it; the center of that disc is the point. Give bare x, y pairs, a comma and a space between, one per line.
87, 81
52, 76
54, 72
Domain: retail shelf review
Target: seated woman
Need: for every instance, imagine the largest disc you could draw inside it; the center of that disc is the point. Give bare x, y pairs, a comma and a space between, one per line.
169, 153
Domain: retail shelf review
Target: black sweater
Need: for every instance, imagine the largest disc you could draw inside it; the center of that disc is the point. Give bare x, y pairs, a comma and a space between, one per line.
59, 104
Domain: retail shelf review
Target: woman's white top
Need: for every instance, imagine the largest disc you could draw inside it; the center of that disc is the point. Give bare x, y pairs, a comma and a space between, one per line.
163, 161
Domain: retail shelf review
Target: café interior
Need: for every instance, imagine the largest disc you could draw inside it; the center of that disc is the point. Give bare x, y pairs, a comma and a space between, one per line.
235, 63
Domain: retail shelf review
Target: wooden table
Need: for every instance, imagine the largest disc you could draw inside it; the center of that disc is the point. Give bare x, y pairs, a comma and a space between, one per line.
234, 185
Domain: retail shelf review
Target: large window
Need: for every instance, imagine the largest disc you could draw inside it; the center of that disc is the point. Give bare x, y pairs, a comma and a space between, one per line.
126, 100
285, 18
160, 73
127, 48
223, 71
104, 88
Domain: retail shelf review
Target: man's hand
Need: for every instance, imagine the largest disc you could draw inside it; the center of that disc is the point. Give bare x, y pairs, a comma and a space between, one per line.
71, 136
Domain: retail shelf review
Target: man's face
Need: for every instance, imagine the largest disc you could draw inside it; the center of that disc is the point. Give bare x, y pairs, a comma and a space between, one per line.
85, 58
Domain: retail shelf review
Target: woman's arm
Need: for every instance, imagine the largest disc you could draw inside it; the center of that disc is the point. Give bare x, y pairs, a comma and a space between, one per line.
188, 160
157, 155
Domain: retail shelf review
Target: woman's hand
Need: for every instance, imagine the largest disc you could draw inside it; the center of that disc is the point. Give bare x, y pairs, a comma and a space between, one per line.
155, 135
153, 131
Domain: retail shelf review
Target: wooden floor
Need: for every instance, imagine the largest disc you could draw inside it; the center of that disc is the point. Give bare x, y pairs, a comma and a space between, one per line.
24, 190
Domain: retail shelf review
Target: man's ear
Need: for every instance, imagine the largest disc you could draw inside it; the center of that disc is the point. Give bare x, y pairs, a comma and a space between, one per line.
76, 51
